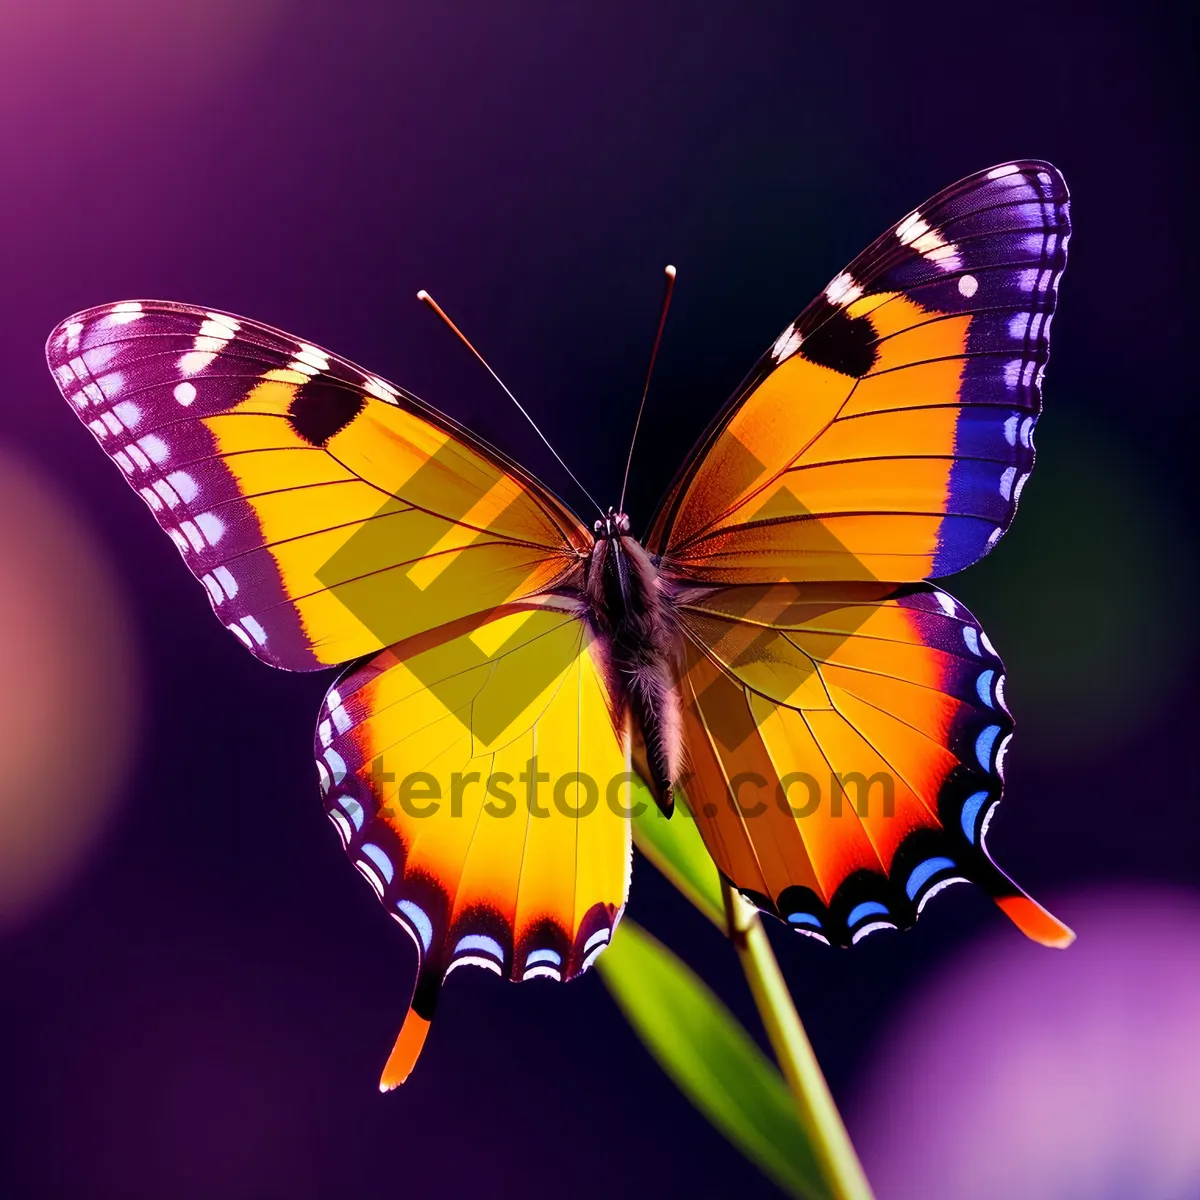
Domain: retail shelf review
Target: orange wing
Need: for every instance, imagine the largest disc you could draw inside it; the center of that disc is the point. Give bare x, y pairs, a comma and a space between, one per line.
884, 439
846, 751
327, 512
888, 432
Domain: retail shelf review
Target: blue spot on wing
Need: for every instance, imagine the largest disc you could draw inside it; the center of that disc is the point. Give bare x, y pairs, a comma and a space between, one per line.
419, 919
970, 813
480, 941
801, 918
868, 908
923, 873
380, 859
983, 746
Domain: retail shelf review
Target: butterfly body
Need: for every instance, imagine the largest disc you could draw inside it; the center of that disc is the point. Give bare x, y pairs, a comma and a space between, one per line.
777, 646
631, 607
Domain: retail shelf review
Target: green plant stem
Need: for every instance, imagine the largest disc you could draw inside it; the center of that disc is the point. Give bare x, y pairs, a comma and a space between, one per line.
794, 1053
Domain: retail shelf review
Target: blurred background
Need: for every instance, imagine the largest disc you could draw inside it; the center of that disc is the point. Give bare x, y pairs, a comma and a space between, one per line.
196, 990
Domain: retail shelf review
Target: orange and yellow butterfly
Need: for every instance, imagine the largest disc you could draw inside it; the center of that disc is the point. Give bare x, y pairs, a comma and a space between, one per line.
772, 650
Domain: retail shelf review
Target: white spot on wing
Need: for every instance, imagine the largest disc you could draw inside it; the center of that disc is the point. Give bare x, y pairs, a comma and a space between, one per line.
165, 490
122, 314
195, 361
968, 285
225, 578
184, 484
241, 635
128, 413
843, 290
786, 344
380, 389
916, 232
599, 938
154, 447
256, 631
310, 358
185, 393
211, 526
341, 825
195, 540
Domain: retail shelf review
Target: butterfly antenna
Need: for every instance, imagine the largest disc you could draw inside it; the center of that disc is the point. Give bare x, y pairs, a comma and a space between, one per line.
668, 288
426, 298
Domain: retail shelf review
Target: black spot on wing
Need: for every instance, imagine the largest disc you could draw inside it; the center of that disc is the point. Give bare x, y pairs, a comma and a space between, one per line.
320, 409
839, 341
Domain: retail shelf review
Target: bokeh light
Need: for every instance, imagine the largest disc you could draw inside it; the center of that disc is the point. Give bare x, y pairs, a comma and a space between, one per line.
1049, 1076
128, 56
68, 691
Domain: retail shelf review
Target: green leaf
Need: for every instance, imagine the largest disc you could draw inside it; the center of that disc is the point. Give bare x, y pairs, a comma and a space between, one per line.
675, 847
710, 1057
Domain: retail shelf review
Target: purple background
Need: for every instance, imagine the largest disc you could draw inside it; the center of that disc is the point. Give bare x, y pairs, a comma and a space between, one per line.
204, 1008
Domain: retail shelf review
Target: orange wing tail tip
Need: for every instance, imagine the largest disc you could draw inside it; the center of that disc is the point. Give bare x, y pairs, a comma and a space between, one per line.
1035, 922
405, 1052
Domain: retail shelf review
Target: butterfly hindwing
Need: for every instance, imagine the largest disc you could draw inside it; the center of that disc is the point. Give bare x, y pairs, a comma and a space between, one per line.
477, 784
888, 432
327, 512
847, 747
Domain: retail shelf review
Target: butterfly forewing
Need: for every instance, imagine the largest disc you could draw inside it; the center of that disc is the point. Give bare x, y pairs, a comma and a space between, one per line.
327, 512
887, 433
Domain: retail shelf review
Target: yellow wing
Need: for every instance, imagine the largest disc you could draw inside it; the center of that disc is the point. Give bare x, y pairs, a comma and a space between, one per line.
478, 785
327, 512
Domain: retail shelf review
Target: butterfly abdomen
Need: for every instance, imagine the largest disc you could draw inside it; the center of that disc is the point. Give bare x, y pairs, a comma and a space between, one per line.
631, 611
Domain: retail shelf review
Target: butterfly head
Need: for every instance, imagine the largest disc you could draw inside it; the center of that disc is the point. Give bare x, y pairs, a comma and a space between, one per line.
613, 524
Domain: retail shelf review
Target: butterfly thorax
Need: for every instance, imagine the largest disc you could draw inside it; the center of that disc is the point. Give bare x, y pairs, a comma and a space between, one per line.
632, 612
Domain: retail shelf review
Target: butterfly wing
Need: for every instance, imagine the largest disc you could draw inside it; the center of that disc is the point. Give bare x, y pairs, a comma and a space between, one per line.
327, 512
846, 751
472, 783
888, 432
884, 439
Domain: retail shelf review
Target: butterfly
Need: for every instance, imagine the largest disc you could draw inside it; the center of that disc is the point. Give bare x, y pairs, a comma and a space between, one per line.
772, 650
